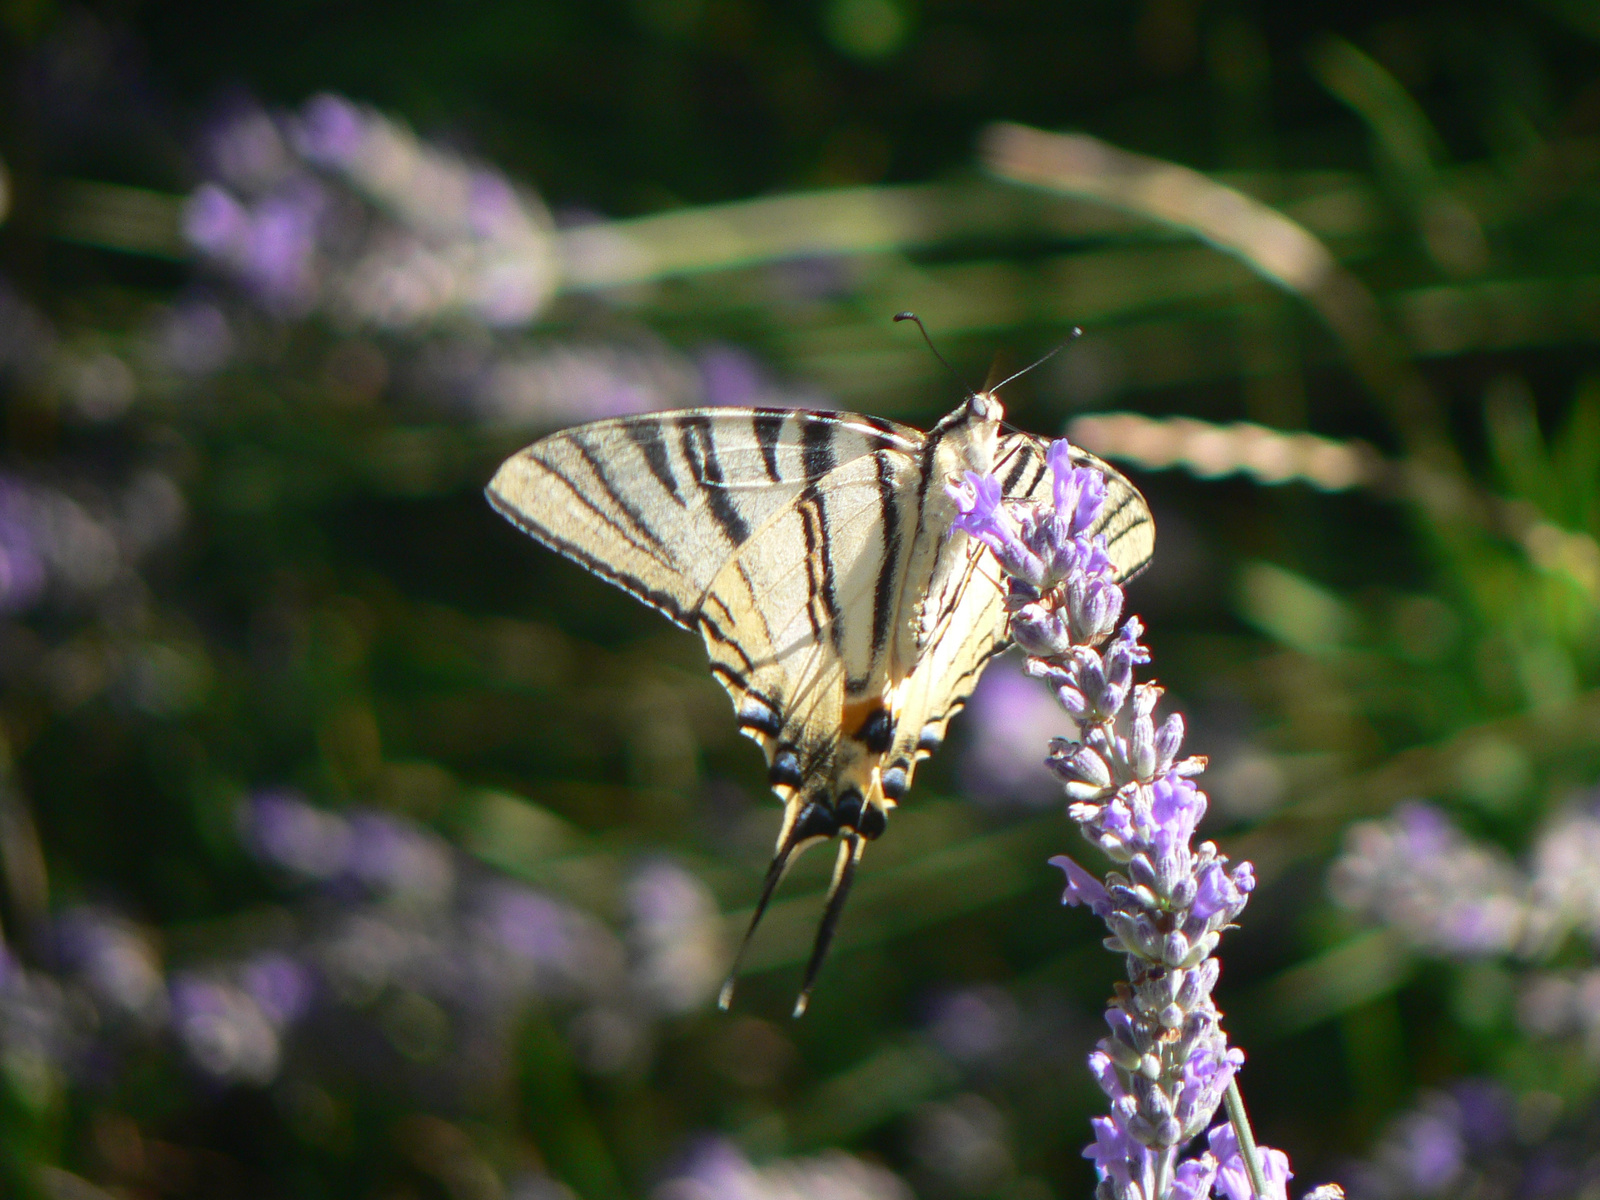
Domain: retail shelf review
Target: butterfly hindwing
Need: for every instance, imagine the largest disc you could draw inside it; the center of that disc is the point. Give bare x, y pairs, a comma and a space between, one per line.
800, 620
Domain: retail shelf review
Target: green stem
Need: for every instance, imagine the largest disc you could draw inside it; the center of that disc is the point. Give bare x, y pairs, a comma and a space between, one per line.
1247, 1140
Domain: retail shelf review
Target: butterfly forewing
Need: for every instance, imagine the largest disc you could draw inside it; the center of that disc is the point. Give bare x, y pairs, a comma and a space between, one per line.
657, 504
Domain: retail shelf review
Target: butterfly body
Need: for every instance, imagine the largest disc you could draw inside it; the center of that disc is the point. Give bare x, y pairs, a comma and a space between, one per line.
813, 553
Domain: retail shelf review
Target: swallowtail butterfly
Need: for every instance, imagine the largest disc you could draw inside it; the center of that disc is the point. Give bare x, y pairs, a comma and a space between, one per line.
813, 553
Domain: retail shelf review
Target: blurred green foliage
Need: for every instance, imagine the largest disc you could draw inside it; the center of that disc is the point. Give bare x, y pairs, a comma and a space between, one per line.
330, 606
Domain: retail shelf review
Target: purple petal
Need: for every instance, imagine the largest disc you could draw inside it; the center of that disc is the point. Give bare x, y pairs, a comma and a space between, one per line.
1082, 887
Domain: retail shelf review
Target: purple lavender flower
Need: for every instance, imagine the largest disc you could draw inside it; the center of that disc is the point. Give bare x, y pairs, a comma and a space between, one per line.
1450, 895
1007, 716
281, 986
1082, 887
1165, 1064
22, 566
331, 130
1233, 1181
397, 858
341, 208
281, 828
729, 376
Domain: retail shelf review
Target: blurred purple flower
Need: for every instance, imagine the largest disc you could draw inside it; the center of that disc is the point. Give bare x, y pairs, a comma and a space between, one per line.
280, 985
22, 566
276, 257
675, 933
270, 247
214, 222
1233, 1181
729, 376
1008, 717
284, 830
1426, 1152
974, 1024
245, 148
115, 961
493, 210
331, 130
389, 855
1418, 873
224, 1030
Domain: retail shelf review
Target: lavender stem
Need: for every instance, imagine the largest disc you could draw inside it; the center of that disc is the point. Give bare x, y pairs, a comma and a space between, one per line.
1247, 1139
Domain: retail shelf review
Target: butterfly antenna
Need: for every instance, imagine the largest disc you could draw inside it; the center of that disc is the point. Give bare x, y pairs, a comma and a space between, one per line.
794, 838
911, 316
844, 874
1070, 338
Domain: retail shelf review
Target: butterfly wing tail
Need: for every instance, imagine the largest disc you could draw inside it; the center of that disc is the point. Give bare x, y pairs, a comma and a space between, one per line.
844, 874
804, 825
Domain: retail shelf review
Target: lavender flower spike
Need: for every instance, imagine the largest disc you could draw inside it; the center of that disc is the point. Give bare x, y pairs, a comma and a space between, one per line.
1165, 1066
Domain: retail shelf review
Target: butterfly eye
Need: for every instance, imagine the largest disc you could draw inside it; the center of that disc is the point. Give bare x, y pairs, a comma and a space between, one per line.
985, 406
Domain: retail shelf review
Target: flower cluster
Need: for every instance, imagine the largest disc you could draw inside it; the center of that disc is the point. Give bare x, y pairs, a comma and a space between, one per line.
393, 933
1474, 1137
340, 209
1449, 895
1166, 1063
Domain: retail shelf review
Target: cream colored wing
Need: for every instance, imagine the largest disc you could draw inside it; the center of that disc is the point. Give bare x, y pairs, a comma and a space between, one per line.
658, 504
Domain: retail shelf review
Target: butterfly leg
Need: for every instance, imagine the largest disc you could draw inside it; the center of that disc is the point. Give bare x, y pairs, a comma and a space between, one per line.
844, 874
804, 824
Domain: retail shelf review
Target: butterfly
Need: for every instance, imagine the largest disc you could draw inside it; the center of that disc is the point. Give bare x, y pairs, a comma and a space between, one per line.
813, 553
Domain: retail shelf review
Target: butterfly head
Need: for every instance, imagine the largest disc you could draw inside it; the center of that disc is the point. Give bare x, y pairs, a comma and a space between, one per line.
985, 407
983, 415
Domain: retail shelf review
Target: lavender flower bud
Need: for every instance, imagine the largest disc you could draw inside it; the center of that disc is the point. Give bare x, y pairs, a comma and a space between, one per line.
1074, 701
1168, 741
1145, 697
1171, 983
1143, 873
1089, 676
1175, 949
1140, 1129
1081, 766
1130, 899
1200, 951
1096, 616
1040, 631
1198, 984
1126, 930
1142, 747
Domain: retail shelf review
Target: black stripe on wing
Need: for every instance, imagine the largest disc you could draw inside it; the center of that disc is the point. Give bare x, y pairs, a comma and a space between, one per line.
884, 591
700, 452
659, 600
